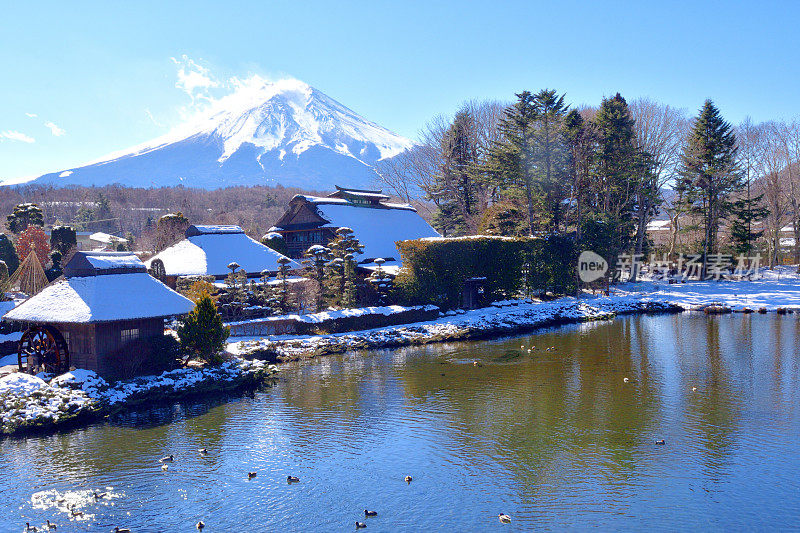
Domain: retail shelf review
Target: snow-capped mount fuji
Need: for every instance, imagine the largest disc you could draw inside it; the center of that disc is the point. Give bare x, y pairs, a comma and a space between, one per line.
283, 132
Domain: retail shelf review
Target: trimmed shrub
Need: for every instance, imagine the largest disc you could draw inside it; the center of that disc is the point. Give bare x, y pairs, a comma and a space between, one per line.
434, 271
275, 241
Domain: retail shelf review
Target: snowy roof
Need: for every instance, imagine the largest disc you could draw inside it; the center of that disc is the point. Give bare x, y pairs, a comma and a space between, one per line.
106, 238
192, 231
346, 192
377, 229
103, 263
211, 253
90, 299
658, 225
320, 200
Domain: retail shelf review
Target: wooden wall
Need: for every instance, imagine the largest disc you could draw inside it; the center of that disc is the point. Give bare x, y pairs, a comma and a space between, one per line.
99, 347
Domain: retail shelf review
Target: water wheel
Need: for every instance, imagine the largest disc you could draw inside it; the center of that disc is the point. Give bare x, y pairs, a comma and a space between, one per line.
43, 349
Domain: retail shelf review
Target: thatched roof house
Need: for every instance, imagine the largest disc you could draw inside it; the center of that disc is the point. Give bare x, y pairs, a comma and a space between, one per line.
208, 250
375, 222
104, 304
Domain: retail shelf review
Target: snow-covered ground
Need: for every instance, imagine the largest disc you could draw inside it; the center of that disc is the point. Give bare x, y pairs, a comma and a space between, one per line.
775, 288
28, 401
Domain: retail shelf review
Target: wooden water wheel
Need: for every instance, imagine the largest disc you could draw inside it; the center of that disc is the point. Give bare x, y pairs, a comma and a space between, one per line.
43, 349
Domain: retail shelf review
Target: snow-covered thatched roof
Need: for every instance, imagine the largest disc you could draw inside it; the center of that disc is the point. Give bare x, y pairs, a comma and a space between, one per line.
101, 287
378, 227
208, 250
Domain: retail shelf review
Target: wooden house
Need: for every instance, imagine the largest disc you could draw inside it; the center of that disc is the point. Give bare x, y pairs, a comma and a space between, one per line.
208, 250
95, 316
376, 223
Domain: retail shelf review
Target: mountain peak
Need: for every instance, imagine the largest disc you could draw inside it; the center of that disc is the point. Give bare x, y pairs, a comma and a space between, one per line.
264, 132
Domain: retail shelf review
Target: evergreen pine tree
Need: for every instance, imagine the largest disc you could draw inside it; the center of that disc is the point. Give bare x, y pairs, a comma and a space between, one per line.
25, 215
512, 158
316, 258
746, 211
456, 180
340, 270
550, 155
63, 238
8, 253
202, 333
709, 173
614, 174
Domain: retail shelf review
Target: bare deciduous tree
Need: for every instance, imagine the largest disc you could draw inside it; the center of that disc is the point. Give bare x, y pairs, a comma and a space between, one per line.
660, 131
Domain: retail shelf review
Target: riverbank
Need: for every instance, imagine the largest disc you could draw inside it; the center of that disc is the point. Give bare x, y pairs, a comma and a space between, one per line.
501, 318
774, 290
33, 404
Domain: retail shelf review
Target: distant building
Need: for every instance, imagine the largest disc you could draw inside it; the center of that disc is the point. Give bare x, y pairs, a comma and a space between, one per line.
82, 237
105, 241
375, 222
208, 250
93, 318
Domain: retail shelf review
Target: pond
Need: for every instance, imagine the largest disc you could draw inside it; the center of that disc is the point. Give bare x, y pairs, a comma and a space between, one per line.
555, 437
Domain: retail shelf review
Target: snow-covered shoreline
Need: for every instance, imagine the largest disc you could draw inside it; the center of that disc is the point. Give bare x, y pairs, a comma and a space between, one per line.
502, 318
29, 403
777, 289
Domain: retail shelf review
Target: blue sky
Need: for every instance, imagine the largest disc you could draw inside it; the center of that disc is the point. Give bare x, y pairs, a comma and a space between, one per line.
103, 76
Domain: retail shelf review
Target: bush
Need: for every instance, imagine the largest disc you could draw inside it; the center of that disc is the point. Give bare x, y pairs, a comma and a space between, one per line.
276, 242
202, 333
8, 253
434, 271
193, 287
160, 353
165, 353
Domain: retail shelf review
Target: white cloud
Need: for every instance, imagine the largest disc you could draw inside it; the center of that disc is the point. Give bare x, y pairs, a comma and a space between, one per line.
55, 130
13, 135
32, 115
194, 79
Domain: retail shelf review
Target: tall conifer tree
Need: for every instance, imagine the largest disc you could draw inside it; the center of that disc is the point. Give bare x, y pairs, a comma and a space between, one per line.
709, 173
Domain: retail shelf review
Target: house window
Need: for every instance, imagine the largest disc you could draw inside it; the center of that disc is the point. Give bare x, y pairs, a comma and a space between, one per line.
128, 335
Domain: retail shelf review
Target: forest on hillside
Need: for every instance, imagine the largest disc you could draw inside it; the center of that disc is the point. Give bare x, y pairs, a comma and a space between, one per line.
122, 211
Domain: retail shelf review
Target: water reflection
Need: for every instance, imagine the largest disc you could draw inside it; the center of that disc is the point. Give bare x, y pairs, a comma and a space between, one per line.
554, 436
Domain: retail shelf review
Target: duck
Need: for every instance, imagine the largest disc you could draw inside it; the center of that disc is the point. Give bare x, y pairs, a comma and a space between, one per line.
51, 525
73, 512
476, 363
625, 380
121, 530
164, 467
168, 459
694, 389
251, 475
100, 495
360, 525
408, 479
370, 513
504, 518
203, 451
661, 442
200, 525
292, 479
29, 527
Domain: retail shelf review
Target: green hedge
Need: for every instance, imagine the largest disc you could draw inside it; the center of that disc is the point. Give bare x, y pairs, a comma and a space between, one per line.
434, 270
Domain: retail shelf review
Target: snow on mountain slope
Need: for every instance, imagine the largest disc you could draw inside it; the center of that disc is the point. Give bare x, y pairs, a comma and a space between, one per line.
284, 132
